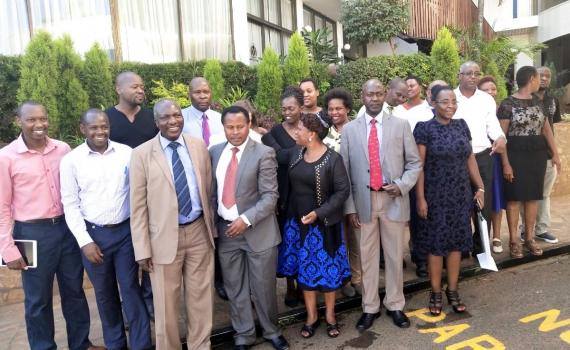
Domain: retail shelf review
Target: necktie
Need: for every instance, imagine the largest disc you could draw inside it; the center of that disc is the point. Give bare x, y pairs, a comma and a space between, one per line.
229, 192
180, 182
205, 129
374, 156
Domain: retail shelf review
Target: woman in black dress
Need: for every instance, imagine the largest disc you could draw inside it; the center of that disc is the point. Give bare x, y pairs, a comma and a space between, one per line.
529, 139
282, 139
319, 186
444, 198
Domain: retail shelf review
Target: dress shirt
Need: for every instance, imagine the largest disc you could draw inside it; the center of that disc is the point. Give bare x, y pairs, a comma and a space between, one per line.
225, 157
419, 113
193, 123
480, 113
395, 110
190, 176
95, 188
29, 188
378, 130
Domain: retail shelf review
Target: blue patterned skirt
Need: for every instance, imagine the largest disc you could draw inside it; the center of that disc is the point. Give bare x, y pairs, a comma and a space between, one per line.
308, 260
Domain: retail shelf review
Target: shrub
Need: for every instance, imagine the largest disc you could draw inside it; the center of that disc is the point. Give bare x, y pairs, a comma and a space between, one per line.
320, 45
177, 92
235, 94
269, 82
97, 79
445, 57
9, 75
213, 73
296, 64
72, 100
239, 75
39, 77
351, 76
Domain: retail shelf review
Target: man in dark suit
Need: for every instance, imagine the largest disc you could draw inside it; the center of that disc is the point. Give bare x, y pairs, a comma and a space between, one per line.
245, 194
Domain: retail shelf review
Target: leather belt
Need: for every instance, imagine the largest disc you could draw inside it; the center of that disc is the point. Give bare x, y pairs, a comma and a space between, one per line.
109, 225
51, 221
191, 222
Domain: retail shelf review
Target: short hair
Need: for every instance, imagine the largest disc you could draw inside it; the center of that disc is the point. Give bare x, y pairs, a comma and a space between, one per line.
234, 110
307, 80
20, 109
123, 76
158, 105
436, 90
468, 64
524, 74
317, 123
248, 106
293, 91
84, 117
487, 79
395, 82
413, 77
341, 94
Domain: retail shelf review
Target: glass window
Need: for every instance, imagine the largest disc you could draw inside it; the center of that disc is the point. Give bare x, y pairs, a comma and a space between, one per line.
271, 11
307, 18
255, 41
271, 29
287, 14
319, 23
273, 39
331, 29
254, 7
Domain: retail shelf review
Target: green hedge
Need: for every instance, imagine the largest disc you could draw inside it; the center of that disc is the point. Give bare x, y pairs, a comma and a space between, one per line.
9, 76
351, 76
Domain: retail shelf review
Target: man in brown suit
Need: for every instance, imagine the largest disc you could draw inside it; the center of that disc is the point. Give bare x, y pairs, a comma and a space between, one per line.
172, 227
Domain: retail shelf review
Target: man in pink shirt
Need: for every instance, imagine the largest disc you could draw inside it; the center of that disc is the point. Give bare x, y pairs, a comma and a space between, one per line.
31, 209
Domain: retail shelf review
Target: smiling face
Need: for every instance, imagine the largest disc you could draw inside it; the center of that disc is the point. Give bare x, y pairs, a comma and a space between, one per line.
490, 88
469, 77
337, 111
96, 130
291, 110
34, 123
397, 95
445, 104
169, 121
414, 89
310, 94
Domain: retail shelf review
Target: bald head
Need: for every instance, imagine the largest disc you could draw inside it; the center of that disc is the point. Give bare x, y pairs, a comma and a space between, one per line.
397, 92
467, 65
200, 94
130, 88
126, 78
371, 83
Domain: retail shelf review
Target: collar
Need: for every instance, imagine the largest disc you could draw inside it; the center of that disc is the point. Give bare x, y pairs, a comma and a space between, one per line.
241, 147
369, 118
459, 94
110, 148
164, 142
198, 113
21, 146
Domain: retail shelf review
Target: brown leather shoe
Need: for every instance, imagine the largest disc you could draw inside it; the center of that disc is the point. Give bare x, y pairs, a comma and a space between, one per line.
96, 347
533, 247
516, 250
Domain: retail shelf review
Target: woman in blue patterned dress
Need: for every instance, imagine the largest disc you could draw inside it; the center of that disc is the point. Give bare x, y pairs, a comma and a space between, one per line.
313, 234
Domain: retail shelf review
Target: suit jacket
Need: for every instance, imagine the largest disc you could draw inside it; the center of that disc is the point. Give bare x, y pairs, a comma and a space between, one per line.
256, 194
399, 158
154, 206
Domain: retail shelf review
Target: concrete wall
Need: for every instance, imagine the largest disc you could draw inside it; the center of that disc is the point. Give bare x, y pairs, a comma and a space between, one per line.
553, 22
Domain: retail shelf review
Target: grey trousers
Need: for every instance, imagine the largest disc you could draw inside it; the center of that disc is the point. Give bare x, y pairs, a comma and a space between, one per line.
249, 276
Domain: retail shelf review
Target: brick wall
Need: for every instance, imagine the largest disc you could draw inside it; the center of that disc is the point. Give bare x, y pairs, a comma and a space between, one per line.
562, 136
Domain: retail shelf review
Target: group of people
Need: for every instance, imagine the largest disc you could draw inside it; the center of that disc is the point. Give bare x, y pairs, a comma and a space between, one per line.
204, 202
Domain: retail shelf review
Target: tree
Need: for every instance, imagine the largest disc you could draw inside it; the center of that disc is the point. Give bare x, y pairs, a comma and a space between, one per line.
445, 57
367, 21
72, 100
39, 76
296, 65
9, 76
97, 79
269, 82
213, 73
320, 45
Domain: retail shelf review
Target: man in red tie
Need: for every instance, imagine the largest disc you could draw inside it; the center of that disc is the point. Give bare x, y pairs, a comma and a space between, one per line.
381, 158
245, 178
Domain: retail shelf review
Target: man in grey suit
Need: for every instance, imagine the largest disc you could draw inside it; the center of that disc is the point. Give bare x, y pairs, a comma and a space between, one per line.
382, 160
245, 180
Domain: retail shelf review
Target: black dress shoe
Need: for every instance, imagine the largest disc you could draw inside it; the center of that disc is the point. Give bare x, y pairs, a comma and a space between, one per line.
366, 320
421, 271
241, 347
221, 291
279, 343
399, 317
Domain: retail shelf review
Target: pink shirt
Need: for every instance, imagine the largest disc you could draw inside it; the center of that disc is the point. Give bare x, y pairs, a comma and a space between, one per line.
29, 188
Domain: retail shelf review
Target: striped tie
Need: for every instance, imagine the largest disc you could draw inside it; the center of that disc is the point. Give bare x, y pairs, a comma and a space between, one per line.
180, 182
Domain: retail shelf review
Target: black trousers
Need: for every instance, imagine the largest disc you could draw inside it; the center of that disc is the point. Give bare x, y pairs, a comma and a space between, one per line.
485, 164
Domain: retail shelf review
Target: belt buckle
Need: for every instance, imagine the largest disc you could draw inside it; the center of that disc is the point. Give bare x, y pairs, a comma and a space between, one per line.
53, 221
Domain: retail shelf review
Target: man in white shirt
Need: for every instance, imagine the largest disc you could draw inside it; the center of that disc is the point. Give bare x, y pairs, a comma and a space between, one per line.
95, 197
247, 228
479, 111
200, 120
415, 109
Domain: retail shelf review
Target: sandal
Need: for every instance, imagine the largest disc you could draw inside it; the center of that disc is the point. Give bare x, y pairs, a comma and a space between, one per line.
333, 330
497, 245
310, 329
533, 247
435, 303
455, 301
516, 250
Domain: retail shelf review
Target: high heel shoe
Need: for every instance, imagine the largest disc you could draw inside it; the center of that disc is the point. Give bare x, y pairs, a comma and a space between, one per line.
455, 301
435, 303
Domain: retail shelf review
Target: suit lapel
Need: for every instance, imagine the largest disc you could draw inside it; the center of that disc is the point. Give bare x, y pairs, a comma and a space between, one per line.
244, 160
197, 165
362, 130
160, 158
216, 154
386, 130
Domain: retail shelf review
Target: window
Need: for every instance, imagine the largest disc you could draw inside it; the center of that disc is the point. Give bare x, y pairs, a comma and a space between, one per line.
270, 23
318, 21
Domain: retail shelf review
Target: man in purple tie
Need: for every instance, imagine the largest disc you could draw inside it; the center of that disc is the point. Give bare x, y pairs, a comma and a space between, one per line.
202, 122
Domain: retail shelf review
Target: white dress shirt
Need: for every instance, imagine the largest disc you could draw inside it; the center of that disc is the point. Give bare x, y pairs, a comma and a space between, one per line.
416, 114
193, 123
95, 187
385, 109
480, 113
228, 214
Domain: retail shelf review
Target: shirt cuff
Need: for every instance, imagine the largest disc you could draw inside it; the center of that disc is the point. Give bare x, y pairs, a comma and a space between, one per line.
83, 239
244, 218
11, 253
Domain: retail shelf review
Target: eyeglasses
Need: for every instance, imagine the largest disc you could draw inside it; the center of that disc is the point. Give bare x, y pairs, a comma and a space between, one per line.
446, 103
472, 74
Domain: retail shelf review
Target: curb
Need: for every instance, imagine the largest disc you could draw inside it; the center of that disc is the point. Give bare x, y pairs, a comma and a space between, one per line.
222, 336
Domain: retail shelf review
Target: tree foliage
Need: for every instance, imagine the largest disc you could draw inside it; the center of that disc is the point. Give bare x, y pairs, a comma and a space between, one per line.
269, 82
39, 76
296, 64
213, 73
320, 45
367, 21
9, 75
97, 79
445, 57
176, 91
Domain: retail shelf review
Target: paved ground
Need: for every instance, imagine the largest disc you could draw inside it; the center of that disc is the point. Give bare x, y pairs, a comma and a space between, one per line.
527, 307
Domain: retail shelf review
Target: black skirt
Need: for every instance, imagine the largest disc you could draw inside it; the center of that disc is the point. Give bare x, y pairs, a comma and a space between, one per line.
527, 156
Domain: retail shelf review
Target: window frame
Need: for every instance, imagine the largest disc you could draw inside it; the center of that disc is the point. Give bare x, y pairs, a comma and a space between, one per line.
324, 18
265, 24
